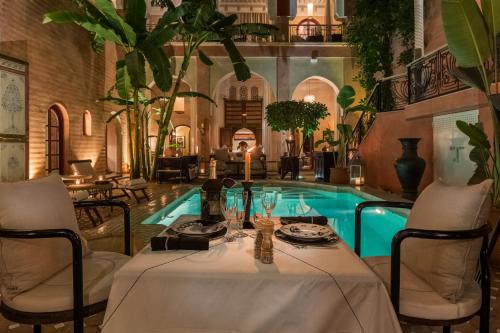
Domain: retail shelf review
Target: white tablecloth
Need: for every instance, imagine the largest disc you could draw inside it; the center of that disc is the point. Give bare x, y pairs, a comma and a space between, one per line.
226, 290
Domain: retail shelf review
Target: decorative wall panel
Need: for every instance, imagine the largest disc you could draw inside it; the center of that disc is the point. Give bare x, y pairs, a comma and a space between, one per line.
451, 148
13, 119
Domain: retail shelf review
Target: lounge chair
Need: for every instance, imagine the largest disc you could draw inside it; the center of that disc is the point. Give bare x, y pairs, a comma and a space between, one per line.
121, 183
432, 273
48, 275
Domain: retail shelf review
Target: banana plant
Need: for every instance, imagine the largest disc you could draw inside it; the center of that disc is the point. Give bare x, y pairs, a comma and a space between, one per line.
129, 32
472, 33
201, 22
346, 99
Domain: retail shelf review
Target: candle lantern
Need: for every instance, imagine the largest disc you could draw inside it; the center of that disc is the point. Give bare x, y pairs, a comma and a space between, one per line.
356, 171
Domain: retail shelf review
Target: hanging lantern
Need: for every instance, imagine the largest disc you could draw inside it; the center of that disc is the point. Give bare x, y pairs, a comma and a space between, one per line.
356, 172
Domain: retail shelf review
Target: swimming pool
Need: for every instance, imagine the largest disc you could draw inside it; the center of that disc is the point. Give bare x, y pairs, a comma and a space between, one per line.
336, 203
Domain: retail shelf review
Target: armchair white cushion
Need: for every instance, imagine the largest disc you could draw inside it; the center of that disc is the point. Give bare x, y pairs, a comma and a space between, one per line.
418, 299
447, 266
34, 205
56, 293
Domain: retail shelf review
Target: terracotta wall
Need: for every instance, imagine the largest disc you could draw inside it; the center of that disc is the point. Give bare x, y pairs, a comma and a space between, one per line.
62, 69
434, 37
381, 148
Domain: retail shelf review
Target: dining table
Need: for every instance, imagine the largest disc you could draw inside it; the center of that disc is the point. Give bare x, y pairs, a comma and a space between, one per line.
307, 289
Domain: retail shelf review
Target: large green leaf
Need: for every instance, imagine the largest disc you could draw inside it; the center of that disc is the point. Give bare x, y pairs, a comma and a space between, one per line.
470, 76
123, 85
479, 156
160, 65
136, 69
466, 32
205, 59
107, 8
491, 13
241, 69
65, 16
136, 14
196, 94
477, 137
346, 95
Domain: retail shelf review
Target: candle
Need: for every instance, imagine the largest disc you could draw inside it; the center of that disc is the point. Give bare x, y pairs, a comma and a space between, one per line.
75, 173
101, 178
78, 182
247, 166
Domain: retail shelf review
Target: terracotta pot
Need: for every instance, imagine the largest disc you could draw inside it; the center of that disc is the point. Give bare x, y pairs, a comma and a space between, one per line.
339, 176
492, 221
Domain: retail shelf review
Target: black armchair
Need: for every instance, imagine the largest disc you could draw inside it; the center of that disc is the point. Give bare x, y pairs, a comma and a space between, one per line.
395, 265
79, 310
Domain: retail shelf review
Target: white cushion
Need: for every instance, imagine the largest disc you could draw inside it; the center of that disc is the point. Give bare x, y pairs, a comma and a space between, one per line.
418, 299
33, 205
446, 265
56, 294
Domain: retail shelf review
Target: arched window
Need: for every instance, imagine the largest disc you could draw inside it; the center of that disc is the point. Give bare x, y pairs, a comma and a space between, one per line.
54, 146
254, 92
232, 93
308, 28
243, 93
87, 123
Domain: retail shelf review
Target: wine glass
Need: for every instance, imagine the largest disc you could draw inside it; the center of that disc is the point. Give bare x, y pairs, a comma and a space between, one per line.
228, 209
269, 200
240, 199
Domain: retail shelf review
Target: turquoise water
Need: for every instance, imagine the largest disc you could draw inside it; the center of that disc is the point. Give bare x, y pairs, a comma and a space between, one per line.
378, 227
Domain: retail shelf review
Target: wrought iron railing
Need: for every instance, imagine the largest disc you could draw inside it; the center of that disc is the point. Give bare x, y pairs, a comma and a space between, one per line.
432, 76
296, 34
333, 33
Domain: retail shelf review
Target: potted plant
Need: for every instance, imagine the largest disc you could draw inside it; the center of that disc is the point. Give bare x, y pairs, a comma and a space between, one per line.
325, 160
294, 116
346, 98
472, 34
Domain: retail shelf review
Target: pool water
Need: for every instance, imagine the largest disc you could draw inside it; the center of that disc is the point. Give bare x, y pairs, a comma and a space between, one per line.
378, 225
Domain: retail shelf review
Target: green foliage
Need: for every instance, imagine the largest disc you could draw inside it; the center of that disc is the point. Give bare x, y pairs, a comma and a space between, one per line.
471, 35
194, 21
480, 153
371, 31
293, 115
345, 99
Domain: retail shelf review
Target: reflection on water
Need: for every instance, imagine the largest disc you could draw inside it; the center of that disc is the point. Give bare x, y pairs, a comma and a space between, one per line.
379, 225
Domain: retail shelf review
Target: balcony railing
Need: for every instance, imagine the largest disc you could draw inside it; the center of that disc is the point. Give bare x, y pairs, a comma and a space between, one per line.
296, 34
316, 33
432, 76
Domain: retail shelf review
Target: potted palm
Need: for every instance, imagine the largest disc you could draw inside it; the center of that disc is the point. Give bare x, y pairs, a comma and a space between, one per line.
346, 98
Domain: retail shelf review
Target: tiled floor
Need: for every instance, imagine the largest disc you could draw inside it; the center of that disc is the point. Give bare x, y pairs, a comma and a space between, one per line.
108, 237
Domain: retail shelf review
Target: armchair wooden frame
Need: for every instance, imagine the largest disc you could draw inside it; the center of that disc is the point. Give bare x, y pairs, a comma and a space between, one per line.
79, 311
483, 276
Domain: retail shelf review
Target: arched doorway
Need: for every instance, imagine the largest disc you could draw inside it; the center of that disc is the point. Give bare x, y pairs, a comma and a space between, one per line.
54, 143
114, 141
243, 138
321, 90
182, 138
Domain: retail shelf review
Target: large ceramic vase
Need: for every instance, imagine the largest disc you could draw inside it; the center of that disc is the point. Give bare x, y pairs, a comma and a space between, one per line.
410, 168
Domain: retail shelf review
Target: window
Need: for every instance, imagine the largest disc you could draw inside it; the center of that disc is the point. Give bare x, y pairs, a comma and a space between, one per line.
87, 123
254, 92
243, 93
54, 160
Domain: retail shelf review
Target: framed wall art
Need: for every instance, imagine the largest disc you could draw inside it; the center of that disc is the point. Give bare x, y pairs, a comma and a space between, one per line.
13, 119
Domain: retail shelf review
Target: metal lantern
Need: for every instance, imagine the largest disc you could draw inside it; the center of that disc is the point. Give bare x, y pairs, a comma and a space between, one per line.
356, 172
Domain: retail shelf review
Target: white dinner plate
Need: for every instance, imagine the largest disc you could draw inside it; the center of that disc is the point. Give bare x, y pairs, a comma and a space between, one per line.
307, 231
195, 228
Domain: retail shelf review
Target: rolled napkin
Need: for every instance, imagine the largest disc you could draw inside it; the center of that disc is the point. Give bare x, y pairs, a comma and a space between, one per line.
162, 243
319, 220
